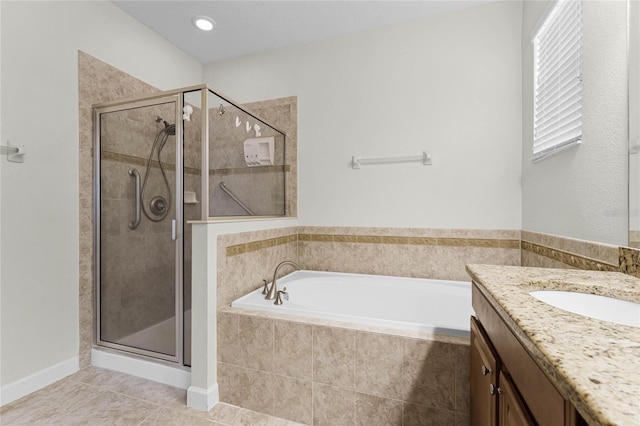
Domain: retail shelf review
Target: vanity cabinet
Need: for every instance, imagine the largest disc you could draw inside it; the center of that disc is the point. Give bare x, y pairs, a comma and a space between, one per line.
507, 386
512, 410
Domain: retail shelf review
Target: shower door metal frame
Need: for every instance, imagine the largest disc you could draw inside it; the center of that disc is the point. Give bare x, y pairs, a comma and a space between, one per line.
176, 98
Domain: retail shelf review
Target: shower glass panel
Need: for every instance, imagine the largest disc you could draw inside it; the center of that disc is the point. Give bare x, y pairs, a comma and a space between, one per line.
138, 240
246, 162
162, 161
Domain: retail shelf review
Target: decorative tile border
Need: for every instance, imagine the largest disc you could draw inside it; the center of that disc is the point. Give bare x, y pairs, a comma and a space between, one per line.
425, 241
629, 258
131, 159
260, 244
374, 239
571, 259
250, 170
138, 161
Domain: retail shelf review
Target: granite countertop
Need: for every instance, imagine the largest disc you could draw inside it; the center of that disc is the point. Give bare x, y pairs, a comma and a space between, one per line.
595, 364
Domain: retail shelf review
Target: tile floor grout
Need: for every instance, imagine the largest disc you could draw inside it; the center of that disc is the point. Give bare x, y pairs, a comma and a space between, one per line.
122, 399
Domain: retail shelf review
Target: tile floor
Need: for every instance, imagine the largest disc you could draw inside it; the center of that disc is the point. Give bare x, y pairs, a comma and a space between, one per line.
94, 396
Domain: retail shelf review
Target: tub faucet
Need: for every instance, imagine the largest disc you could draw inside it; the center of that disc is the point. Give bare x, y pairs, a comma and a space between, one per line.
274, 290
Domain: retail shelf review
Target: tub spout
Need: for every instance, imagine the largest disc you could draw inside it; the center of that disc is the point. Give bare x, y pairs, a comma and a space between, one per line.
274, 289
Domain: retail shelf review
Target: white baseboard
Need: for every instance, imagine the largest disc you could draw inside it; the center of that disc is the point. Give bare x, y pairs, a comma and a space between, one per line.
203, 399
39, 380
161, 373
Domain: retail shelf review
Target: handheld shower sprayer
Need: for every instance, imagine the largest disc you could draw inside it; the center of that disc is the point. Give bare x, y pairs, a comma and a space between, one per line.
159, 206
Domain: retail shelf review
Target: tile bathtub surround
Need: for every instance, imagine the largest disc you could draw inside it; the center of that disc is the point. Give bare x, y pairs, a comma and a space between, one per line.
552, 251
245, 259
418, 253
335, 375
96, 396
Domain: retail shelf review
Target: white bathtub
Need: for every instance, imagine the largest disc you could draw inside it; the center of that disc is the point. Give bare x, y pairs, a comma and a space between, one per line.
433, 306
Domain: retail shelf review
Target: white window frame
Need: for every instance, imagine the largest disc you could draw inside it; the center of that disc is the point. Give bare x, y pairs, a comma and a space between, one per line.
557, 80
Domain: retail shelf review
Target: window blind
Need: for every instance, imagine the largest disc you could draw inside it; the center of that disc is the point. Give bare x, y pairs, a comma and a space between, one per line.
557, 121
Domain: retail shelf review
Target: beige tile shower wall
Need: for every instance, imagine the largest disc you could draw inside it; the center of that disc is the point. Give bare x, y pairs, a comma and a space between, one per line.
245, 259
410, 252
137, 275
262, 189
97, 82
552, 251
282, 113
319, 374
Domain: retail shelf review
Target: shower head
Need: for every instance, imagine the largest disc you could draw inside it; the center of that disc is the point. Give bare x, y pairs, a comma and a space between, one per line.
169, 129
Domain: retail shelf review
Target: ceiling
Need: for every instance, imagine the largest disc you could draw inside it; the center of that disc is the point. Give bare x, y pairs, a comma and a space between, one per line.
246, 27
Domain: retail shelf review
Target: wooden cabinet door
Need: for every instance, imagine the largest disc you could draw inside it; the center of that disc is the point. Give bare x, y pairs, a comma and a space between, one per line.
484, 380
512, 410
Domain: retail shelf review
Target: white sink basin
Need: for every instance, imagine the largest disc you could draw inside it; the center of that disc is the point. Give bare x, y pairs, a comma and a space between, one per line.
592, 305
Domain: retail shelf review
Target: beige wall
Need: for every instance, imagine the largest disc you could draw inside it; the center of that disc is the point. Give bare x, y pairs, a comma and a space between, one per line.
448, 84
40, 210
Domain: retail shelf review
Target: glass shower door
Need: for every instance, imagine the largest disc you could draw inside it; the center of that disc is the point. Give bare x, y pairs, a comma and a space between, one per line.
138, 240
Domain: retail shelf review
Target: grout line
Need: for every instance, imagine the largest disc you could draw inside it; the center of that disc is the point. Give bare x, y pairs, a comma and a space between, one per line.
355, 377
273, 355
312, 373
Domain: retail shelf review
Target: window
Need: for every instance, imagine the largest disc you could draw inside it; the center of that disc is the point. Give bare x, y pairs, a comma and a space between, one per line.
557, 121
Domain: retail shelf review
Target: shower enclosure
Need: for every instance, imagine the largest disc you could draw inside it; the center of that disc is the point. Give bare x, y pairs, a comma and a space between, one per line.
161, 161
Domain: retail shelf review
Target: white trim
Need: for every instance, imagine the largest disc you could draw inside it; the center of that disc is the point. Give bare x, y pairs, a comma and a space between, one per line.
150, 370
556, 149
39, 380
203, 399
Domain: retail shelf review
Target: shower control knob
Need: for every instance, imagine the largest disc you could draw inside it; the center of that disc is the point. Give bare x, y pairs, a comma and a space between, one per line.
158, 205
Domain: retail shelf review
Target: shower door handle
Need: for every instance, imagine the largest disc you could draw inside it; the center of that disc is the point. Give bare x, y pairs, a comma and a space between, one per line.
173, 229
133, 172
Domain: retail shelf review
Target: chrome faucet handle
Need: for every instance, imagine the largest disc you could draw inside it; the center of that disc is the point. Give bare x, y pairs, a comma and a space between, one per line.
280, 294
265, 289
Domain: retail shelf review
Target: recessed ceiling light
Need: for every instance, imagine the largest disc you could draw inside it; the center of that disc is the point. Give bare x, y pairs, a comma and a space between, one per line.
204, 23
